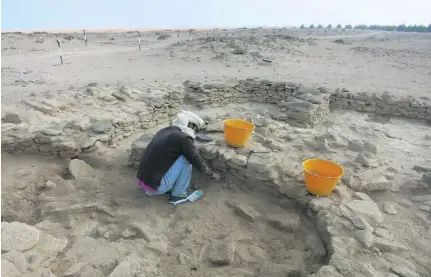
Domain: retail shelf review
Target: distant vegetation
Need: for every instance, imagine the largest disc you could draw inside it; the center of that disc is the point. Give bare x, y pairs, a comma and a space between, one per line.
399, 28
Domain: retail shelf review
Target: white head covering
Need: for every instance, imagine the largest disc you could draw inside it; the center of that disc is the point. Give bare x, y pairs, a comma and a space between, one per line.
184, 118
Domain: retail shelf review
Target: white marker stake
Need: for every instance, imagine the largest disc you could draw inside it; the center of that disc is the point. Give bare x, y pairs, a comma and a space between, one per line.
59, 50
139, 40
85, 38
202, 76
21, 77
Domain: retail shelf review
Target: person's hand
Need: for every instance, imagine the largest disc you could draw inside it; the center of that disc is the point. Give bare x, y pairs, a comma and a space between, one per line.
215, 176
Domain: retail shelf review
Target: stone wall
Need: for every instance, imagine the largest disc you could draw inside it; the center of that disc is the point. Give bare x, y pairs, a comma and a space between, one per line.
383, 103
300, 106
99, 115
110, 114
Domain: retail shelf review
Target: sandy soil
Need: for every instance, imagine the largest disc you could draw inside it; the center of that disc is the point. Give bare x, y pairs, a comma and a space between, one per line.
201, 239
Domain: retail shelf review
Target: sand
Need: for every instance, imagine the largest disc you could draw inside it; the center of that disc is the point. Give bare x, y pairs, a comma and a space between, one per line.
97, 222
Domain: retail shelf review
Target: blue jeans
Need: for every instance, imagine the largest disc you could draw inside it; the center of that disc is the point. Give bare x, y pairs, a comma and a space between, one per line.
176, 179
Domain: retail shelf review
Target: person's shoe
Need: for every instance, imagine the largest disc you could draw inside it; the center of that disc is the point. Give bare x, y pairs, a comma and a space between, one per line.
175, 199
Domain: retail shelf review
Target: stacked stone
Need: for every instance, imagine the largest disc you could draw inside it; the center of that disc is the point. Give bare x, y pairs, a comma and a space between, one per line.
138, 149
381, 103
87, 133
303, 107
254, 168
46, 142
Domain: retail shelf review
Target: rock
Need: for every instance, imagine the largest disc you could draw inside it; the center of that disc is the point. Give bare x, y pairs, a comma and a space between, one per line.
80, 169
403, 271
389, 246
392, 275
87, 143
11, 117
221, 253
18, 259
84, 271
365, 237
246, 212
426, 178
19, 237
351, 268
321, 203
287, 222
405, 203
40, 106
128, 232
357, 220
380, 184
420, 168
421, 198
361, 196
47, 185
270, 269
47, 249
217, 126
188, 261
356, 145
368, 210
251, 253
343, 245
370, 147
101, 125
367, 159
384, 233
424, 208
9, 270
130, 267
349, 181
160, 247
327, 271
315, 245
143, 231
400, 261
390, 209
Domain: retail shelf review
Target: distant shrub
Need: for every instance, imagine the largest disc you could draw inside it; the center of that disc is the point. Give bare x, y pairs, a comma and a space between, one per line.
339, 26
311, 26
320, 26
360, 27
329, 26
302, 26
348, 26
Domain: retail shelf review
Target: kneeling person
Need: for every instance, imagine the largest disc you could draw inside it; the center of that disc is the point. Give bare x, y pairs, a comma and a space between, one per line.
166, 166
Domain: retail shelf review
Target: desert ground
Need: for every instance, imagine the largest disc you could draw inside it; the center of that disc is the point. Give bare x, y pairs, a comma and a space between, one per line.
73, 133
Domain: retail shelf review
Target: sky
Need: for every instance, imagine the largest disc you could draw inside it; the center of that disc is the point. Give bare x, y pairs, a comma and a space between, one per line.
95, 14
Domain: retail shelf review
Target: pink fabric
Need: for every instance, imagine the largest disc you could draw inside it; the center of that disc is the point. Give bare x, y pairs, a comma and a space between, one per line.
145, 187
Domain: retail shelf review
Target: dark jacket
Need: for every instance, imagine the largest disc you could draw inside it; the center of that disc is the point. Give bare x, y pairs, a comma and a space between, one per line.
161, 153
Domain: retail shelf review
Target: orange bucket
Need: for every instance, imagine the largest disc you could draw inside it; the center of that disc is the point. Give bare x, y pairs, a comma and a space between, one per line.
321, 176
237, 132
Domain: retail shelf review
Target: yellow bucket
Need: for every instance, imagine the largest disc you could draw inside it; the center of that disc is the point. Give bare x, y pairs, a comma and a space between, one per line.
237, 132
321, 176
